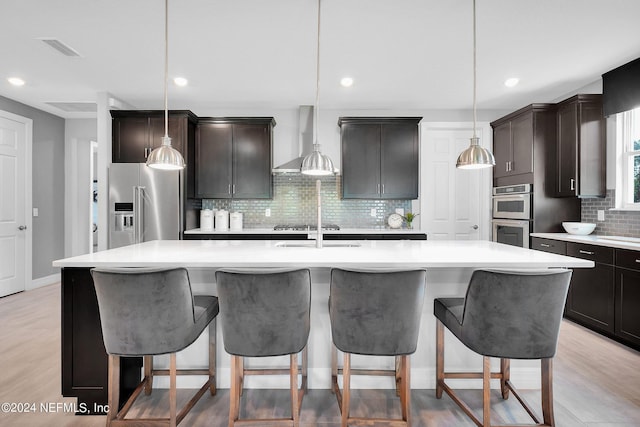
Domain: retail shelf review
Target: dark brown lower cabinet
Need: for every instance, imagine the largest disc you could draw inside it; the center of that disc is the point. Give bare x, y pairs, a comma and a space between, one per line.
84, 358
628, 295
605, 298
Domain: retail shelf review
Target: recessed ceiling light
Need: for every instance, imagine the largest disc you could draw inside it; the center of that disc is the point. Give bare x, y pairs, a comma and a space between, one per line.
346, 81
181, 81
511, 82
16, 81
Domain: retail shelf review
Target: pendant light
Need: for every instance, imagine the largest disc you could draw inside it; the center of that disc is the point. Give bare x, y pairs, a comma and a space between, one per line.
166, 157
317, 163
475, 157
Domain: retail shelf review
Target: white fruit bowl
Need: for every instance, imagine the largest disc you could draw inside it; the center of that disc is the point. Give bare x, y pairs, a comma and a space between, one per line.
580, 228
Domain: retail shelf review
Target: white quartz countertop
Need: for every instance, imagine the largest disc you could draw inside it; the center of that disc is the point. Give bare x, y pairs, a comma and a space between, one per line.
370, 253
619, 242
380, 230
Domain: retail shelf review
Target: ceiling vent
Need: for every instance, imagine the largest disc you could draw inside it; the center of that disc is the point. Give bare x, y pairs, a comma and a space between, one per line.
61, 47
75, 107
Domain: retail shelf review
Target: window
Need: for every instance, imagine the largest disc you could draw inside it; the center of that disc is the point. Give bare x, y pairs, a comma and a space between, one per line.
628, 135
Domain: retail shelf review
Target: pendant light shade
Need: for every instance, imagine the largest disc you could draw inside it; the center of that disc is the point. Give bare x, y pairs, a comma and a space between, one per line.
166, 157
475, 157
317, 163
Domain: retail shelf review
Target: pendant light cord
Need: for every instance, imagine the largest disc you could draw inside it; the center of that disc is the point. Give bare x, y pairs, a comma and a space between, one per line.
316, 109
166, 67
474, 69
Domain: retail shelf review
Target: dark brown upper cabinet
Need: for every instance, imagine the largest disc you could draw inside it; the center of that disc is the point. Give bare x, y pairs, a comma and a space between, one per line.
135, 133
581, 148
521, 146
233, 158
379, 157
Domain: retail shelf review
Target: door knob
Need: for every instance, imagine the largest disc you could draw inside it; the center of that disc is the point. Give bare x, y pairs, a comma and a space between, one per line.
475, 227
22, 227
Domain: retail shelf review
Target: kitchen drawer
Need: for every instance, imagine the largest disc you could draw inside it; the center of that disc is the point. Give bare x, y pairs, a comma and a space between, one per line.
600, 254
549, 245
626, 258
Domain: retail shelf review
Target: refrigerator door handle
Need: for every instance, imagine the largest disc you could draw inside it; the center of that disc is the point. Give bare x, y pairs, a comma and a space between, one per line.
138, 214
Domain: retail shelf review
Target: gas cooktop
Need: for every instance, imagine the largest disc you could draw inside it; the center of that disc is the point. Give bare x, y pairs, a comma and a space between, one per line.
305, 227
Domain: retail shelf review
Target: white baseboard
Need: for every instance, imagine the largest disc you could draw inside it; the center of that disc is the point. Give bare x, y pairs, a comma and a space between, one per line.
43, 281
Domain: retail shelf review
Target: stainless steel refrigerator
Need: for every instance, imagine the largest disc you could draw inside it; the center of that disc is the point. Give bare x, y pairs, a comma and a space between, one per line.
144, 204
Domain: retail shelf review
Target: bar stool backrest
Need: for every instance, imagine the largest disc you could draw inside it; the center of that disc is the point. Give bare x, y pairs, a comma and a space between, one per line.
264, 312
145, 311
376, 312
514, 315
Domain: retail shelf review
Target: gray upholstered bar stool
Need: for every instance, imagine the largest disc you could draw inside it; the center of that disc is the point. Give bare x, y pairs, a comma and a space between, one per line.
265, 313
509, 315
146, 312
375, 313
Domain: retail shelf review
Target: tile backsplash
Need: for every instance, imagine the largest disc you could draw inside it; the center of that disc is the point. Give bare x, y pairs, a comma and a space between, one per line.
294, 202
616, 223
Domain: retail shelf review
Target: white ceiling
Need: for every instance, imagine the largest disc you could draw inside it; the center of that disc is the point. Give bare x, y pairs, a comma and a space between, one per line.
259, 54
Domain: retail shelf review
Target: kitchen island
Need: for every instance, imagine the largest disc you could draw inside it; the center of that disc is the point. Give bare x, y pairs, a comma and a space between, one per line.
449, 265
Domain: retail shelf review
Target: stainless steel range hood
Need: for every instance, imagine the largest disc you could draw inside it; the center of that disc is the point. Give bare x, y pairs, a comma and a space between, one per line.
305, 141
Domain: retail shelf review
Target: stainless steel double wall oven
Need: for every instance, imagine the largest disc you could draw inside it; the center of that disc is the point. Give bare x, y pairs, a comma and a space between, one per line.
512, 214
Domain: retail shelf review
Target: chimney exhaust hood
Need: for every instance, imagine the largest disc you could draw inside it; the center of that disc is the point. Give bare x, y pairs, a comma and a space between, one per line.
305, 141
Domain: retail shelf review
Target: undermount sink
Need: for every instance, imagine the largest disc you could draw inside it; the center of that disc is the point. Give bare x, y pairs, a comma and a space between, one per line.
620, 239
312, 244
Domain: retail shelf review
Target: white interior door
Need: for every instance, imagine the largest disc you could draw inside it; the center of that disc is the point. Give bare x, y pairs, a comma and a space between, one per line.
453, 201
14, 225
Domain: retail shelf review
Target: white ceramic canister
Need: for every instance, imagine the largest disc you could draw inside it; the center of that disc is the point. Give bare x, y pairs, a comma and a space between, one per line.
222, 220
235, 221
206, 220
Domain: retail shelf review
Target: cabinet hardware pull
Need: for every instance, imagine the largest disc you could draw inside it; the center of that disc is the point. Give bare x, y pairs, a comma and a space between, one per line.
234, 189
229, 189
573, 184
146, 152
638, 261
382, 188
378, 188
586, 252
506, 166
544, 245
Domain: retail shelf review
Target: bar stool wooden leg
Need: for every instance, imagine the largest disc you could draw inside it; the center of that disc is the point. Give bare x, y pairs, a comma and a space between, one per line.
505, 377
398, 368
547, 391
240, 375
439, 358
334, 369
295, 408
346, 388
405, 389
173, 398
114, 388
486, 391
234, 394
212, 357
148, 374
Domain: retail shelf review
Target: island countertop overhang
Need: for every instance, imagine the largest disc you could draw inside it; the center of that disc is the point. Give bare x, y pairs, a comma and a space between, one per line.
369, 253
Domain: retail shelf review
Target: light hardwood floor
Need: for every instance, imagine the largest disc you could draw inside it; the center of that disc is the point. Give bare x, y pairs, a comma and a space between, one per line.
596, 382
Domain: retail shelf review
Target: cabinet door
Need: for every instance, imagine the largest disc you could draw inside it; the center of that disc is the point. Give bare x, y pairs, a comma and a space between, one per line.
176, 132
252, 177
591, 297
522, 145
502, 149
591, 173
130, 139
360, 161
627, 303
213, 160
567, 146
399, 161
